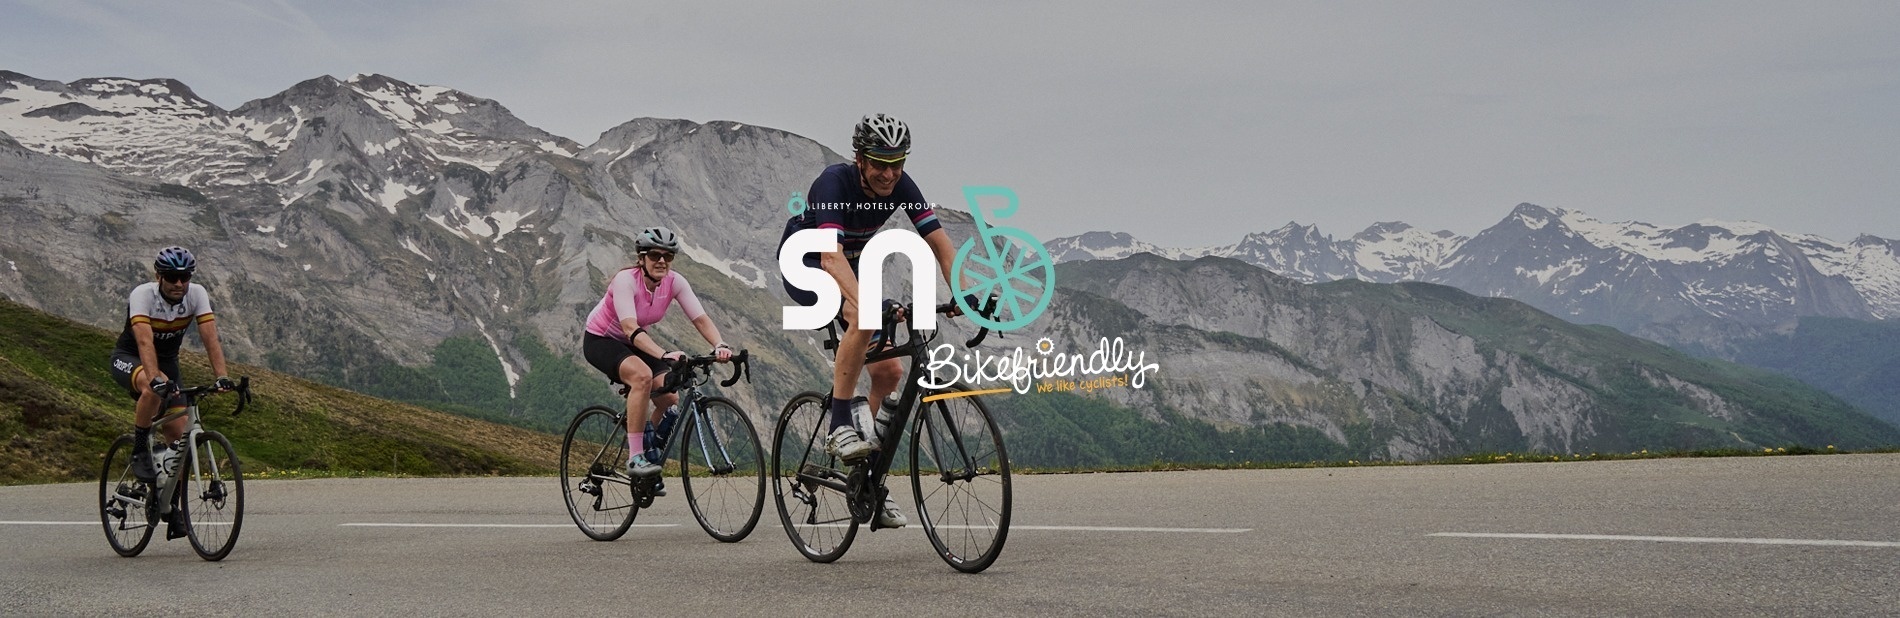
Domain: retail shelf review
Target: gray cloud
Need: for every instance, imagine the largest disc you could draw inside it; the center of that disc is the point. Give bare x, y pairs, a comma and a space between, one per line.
1187, 123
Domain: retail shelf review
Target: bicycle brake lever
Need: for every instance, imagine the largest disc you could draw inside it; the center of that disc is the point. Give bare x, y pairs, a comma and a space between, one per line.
736, 370
740, 364
244, 395
987, 312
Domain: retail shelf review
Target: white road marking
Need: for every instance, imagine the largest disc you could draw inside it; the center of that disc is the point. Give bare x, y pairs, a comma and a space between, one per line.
49, 523
1668, 539
411, 525
1014, 528
1119, 529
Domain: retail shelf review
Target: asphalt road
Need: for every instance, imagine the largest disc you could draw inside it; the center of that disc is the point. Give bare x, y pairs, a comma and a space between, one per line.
1739, 536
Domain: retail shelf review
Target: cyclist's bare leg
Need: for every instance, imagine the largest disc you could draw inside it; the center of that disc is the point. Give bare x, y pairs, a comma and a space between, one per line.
851, 347
147, 409
885, 377
661, 402
634, 373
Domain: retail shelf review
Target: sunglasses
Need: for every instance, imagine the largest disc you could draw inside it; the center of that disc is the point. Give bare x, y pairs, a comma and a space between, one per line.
659, 256
175, 277
880, 165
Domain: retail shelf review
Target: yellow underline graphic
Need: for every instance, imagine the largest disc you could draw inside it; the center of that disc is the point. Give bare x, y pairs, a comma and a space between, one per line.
965, 394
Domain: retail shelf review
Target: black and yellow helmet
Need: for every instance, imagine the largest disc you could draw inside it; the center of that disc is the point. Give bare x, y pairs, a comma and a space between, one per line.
882, 138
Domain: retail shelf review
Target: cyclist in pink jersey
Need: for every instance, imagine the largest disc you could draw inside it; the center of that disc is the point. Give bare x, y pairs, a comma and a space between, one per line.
618, 345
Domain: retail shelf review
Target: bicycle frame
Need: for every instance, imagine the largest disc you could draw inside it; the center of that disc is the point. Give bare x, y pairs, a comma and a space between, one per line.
194, 429
167, 491
874, 471
695, 372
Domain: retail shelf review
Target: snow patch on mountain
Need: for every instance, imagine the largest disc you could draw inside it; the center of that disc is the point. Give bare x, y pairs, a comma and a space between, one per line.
1739, 270
507, 368
410, 244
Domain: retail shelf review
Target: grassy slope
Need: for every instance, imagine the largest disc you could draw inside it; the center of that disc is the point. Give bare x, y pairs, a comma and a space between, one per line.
59, 409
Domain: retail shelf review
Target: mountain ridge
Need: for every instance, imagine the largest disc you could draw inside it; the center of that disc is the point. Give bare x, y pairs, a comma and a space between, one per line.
352, 251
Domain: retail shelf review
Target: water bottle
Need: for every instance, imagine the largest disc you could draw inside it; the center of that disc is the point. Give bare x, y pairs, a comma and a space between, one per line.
885, 432
166, 459
664, 430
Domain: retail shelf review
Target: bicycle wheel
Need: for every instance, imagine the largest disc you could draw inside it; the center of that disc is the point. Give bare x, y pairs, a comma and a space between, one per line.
594, 479
808, 483
720, 449
212, 487
122, 501
960, 474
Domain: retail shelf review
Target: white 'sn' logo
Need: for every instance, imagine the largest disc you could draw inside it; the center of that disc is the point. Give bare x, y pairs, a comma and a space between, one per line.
923, 289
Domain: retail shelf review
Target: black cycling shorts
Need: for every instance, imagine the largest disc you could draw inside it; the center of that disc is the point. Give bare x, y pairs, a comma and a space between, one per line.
606, 354
127, 372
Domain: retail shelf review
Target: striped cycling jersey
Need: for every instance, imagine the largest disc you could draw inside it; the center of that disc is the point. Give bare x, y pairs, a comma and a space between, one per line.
168, 320
837, 202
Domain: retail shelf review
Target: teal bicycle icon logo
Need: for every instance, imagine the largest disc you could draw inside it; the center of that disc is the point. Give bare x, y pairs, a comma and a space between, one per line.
1012, 266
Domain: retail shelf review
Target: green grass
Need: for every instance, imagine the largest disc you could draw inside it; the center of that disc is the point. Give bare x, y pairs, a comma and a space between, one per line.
59, 410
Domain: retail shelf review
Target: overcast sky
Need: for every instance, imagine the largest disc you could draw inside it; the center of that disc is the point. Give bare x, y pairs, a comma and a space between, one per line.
1185, 124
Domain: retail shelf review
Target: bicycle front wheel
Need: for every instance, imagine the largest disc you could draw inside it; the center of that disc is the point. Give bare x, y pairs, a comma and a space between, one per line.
960, 474
808, 484
594, 479
213, 487
723, 469
123, 501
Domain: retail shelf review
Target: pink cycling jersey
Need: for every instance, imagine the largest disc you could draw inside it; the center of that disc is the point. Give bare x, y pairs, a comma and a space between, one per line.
627, 296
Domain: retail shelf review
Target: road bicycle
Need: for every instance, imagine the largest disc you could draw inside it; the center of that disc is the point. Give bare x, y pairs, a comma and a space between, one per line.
959, 470
720, 463
199, 483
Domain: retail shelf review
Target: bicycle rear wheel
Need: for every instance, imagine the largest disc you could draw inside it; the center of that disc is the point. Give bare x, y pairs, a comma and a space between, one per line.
960, 474
123, 499
723, 469
808, 483
213, 490
594, 479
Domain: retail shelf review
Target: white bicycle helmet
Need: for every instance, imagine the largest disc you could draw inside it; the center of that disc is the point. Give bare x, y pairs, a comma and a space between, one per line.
657, 238
881, 137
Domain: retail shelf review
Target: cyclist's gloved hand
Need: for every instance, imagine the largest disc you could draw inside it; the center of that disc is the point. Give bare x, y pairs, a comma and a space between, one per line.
723, 352
674, 357
161, 387
894, 309
224, 383
972, 300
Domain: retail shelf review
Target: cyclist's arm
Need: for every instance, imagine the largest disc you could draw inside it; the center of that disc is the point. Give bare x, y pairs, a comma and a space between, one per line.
706, 329
689, 303
642, 340
208, 329
208, 332
148, 356
946, 255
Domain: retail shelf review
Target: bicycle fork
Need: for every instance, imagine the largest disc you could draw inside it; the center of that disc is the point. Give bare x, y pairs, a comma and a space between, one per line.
702, 422
967, 471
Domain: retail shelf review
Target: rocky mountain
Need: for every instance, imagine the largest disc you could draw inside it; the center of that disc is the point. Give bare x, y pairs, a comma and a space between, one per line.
421, 243
1683, 285
315, 208
1418, 370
